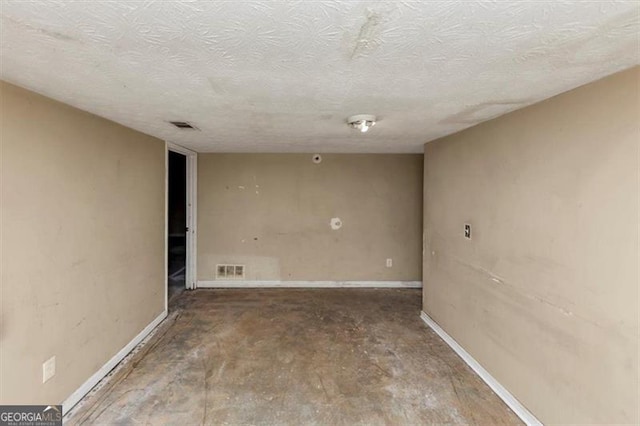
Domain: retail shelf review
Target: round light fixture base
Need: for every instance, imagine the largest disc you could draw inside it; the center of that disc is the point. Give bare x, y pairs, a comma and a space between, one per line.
362, 122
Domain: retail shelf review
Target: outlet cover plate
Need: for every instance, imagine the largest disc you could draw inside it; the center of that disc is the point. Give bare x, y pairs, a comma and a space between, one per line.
48, 369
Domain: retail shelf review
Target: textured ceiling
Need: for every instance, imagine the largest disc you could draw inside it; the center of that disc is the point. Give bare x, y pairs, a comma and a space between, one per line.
282, 76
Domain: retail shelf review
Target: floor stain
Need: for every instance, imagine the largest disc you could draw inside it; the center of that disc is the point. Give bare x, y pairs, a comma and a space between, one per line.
293, 356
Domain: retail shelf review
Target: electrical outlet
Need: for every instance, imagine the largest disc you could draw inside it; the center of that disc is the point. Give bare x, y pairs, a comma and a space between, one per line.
48, 369
389, 263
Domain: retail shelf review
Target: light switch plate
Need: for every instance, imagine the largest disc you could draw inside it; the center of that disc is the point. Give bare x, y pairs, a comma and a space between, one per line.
48, 369
389, 263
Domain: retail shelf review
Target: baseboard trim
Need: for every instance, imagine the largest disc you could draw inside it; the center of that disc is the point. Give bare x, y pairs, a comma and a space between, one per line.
75, 397
525, 415
307, 284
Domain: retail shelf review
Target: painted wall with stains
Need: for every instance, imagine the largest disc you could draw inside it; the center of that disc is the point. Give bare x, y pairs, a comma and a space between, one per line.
288, 217
545, 293
82, 243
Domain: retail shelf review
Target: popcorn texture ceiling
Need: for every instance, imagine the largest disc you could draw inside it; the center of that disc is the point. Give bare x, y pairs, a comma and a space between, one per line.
282, 76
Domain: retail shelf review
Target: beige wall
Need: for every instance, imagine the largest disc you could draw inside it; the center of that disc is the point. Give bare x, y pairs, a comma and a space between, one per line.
272, 212
82, 243
545, 295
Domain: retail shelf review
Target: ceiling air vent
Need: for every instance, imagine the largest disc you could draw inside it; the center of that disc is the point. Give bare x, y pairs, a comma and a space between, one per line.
184, 125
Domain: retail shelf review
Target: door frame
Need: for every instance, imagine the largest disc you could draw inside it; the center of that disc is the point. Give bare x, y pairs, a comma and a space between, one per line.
192, 220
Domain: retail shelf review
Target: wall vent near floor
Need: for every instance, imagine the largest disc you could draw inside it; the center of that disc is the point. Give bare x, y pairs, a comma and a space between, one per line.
229, 272
184, 125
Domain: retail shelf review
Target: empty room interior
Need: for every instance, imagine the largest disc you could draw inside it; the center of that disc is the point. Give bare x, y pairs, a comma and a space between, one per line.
320, 212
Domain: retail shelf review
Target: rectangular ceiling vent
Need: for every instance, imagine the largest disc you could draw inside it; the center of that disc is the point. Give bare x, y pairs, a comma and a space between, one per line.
184, 125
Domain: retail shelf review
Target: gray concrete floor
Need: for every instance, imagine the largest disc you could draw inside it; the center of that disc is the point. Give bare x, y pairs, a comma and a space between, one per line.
288, 356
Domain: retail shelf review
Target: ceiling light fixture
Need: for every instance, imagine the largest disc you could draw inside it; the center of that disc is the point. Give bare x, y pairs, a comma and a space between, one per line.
362, 122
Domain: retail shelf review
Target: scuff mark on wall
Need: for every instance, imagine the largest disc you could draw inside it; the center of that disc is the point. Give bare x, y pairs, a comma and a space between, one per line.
522, 292
296, 202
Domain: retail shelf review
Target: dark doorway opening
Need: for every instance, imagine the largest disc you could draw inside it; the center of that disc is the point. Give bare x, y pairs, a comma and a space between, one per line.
177, 223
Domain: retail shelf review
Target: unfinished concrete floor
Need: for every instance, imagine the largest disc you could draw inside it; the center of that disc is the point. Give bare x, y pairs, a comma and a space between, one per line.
288, 356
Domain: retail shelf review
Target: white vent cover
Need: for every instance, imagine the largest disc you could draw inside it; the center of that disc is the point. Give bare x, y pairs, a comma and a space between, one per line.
229, 272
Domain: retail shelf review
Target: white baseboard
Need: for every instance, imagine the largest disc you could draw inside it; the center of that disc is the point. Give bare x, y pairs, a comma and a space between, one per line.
525, 415
75, 397
308, 284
